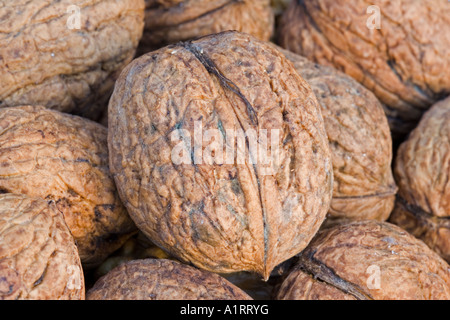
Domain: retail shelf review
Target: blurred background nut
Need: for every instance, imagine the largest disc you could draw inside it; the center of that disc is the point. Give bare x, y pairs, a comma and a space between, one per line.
279, 6
38, 256
66, 54
60, 157
399, 49
422, 171
252, 284
360, 142
367, 260
160, 279
219, 215
170, 21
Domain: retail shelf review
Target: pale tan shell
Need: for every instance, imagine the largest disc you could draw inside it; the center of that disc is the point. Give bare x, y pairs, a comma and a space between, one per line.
56, 156
47, 59
220, 217
38, 256
422, 171
360, 142
367, 260
160, 279
405, 60
170, 21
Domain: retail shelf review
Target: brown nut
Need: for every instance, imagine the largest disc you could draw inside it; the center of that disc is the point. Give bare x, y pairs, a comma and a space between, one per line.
38, 256
60, 157
404, 59
367, 260
66, 54
170, 21
360, 142
160, 279
422, 171
222, 213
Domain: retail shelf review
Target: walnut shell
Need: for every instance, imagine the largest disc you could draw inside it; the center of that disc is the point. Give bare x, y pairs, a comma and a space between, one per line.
223, 216
360, 142
170, 21
60, 157
406, 62
367, 260
38, 256
160, 279
45, 59
422, 171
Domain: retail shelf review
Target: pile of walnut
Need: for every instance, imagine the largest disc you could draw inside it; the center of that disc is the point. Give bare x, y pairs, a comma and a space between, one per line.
175, 149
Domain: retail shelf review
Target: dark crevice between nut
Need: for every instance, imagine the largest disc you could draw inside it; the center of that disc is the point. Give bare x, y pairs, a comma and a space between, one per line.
3, 191
422, 216
320, 271
227, 84
99, 244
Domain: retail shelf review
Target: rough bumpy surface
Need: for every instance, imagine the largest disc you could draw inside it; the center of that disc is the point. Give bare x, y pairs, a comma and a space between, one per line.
140, 247
367, 260
360, 142
219, 215
422, 170
38, 256
406, 62
170, 21
160, 279
46, 60
60, 157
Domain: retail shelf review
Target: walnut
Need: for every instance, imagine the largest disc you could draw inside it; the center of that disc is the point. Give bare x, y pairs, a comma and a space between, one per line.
364, 187
170, 21
224, 213
38, 256
367, 260
360, 142
396, 48
65, 54
160, 279
56, 156
422, 171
